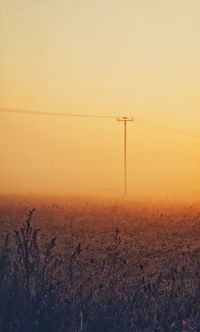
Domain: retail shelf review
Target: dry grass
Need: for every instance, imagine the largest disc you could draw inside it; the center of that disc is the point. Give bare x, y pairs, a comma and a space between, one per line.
78, 266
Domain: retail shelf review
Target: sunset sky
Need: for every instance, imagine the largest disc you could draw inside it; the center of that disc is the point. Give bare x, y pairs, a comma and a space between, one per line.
106, 57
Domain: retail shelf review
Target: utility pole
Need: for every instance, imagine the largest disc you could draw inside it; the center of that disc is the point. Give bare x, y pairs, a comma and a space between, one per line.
125, 119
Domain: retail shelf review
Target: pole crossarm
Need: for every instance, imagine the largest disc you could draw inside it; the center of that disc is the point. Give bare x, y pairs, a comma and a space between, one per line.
124, 118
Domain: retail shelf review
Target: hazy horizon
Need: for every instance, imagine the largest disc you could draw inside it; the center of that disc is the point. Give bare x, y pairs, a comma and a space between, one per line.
105, 58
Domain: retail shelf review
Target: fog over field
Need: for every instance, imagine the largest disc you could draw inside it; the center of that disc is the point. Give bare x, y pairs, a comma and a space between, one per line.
105, 58
99, 166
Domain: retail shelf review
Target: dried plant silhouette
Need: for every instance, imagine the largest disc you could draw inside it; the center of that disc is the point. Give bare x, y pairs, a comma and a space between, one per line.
99, 268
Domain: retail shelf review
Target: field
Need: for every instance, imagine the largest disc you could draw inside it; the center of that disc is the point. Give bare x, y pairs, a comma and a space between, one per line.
77, 265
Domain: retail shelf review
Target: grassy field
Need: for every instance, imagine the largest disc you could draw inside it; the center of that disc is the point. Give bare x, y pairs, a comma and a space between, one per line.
84, 265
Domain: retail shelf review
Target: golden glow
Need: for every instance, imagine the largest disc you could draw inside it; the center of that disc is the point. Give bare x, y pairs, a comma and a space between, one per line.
139, 58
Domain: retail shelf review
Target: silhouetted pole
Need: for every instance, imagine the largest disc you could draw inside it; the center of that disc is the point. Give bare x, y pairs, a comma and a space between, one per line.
125, 120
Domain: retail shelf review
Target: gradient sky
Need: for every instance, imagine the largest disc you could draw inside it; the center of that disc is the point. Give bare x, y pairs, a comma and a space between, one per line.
112, 57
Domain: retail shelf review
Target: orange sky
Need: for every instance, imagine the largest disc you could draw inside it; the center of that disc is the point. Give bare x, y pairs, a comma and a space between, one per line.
139, 58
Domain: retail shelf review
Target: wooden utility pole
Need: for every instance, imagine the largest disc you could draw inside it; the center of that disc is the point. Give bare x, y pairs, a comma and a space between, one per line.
125, 119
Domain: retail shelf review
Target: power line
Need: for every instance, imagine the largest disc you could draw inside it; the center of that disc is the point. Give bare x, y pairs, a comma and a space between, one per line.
31, 112
124, 119
140, 121
159, 126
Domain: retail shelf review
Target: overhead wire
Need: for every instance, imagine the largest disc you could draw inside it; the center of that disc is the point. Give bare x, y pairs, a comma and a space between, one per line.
158, 126
140, 121
32, 112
